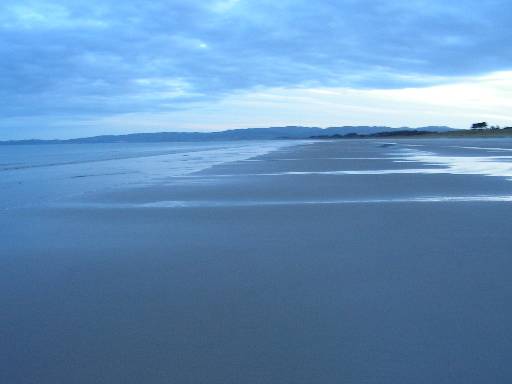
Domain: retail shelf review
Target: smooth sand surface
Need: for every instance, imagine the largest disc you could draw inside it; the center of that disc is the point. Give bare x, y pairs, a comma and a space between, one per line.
245, 273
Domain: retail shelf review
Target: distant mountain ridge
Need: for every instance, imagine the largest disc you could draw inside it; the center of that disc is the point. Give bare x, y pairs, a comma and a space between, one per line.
289, 132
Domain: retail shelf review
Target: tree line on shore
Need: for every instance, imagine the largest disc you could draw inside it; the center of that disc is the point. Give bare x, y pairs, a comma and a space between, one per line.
483, 125
482, 129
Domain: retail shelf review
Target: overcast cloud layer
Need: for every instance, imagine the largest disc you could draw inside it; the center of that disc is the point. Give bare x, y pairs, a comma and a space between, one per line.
67, 66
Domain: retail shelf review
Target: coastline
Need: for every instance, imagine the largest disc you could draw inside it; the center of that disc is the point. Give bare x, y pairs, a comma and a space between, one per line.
268, 282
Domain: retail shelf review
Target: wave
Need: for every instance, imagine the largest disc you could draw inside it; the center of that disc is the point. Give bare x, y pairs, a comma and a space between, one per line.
257, 203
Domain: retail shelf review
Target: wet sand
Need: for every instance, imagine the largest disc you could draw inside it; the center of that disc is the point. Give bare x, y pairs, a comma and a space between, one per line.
271, 270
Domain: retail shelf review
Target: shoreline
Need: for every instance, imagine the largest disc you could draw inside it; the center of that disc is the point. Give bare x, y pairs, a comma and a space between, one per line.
247, 290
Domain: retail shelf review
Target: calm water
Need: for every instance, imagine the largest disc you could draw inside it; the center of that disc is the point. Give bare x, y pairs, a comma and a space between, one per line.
35, 175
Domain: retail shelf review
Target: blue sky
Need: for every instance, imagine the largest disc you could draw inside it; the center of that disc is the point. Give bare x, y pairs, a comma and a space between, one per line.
72, 68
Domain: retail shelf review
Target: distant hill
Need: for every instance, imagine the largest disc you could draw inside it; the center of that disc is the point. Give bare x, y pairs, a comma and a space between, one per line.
290, 132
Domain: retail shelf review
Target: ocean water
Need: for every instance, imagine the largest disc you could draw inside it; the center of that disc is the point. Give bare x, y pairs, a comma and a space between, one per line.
38, 175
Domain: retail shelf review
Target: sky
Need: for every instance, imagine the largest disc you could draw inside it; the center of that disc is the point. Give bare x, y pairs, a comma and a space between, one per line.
74, 68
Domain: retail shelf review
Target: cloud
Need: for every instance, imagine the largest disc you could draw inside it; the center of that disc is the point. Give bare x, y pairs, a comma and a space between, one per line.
86, 59
44, 15
471, 99
459, 104
224, 5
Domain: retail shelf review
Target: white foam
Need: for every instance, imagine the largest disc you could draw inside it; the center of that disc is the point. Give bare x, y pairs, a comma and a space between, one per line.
484, 148
462, 165
255, 203
426, 199
497, 166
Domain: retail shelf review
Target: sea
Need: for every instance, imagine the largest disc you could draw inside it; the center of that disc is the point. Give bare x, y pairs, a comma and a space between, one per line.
39, 175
